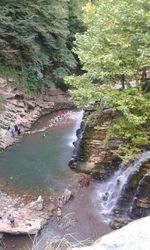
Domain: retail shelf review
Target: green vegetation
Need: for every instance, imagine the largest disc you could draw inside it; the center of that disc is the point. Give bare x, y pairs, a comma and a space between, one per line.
115, 50
36, 40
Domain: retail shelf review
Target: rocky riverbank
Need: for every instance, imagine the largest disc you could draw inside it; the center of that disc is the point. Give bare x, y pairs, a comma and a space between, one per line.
24, 111
28, 218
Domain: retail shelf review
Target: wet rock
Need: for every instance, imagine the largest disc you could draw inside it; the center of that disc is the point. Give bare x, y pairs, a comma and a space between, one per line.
118, 223
143, 203
84, 180
141, 199
51, 208
67, 195
73, 163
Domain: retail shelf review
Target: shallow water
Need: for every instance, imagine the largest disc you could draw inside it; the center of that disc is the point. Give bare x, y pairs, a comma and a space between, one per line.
40, 164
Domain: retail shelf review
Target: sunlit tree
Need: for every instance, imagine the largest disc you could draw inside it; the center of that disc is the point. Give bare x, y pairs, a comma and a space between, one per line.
115, 49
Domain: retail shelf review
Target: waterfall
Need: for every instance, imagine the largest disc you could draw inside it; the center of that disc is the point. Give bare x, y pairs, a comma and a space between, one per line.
108, 193
77, 116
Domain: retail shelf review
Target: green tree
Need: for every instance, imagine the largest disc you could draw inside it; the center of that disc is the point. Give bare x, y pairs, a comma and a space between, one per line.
34, 38
115, 50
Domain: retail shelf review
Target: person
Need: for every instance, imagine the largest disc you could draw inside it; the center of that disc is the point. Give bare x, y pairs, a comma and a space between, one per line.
58, 214
17, 129
11, 220
60, 202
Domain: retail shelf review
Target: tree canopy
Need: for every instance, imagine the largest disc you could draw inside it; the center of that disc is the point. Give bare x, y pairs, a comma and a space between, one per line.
115, 53
36, 39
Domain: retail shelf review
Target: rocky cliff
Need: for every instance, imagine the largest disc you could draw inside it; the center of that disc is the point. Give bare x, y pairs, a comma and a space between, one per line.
92, 155
15, 107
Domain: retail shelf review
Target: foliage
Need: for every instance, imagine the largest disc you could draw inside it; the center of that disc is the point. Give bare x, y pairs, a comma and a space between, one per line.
131, 125
114, 51
34, 38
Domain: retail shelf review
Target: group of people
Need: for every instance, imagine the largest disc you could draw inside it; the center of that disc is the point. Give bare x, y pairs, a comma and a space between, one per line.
61, 116
14, 129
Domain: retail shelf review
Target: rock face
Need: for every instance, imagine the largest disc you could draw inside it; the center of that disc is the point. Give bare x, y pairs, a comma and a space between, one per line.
24, 111
140, 183
28, 219
92, 155
134, 236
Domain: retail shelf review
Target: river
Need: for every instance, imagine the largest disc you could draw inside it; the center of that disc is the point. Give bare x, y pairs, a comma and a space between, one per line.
38, 165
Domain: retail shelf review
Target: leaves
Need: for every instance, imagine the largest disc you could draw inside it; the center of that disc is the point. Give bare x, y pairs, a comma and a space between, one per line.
36, 34
115, 53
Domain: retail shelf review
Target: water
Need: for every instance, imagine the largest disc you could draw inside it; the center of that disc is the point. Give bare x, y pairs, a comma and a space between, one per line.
39, 164
108, 193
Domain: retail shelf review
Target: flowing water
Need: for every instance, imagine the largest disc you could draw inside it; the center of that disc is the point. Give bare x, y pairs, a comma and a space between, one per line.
108, 193
38, 165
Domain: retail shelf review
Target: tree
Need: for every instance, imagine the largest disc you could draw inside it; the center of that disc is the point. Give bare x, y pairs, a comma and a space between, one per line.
34, 37
115, 50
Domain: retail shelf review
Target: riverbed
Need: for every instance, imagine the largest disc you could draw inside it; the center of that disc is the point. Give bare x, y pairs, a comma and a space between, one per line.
38, 165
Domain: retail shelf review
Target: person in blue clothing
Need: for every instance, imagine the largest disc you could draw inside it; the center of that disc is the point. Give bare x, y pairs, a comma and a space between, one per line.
17, 129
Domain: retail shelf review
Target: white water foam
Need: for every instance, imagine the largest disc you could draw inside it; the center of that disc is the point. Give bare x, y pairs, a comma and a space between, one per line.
109, 192
77, 116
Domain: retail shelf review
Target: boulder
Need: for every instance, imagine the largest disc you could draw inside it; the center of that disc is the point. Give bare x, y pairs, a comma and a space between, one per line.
67, 195
134, 236
36, 205
28, 219
118, 223
51, 208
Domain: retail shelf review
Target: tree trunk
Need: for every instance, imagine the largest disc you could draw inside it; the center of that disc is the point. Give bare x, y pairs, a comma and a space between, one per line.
143, 77
123, 81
